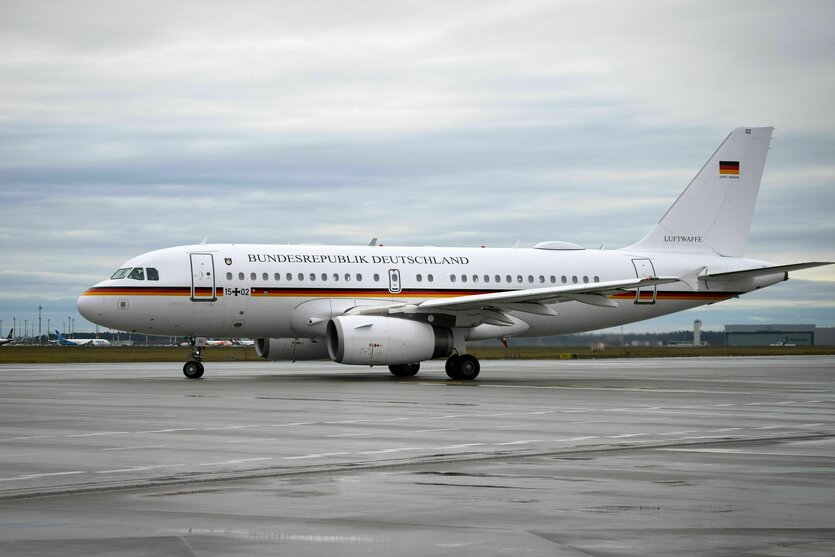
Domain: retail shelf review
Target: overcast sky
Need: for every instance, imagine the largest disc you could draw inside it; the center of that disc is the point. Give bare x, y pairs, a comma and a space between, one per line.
132, 126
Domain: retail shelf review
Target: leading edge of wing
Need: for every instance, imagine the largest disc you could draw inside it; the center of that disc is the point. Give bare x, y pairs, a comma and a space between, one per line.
593, 293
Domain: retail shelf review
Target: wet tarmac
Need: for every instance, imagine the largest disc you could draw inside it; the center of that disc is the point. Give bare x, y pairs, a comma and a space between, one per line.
702, 456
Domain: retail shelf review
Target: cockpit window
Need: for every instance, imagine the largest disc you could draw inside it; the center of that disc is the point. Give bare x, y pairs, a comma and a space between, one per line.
121, 273
138, 273
153, 274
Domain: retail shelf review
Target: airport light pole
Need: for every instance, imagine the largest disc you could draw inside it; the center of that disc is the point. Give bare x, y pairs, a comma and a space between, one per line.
40, 309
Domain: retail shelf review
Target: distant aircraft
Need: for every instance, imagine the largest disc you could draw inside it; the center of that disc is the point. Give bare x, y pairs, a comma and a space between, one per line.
242, 342
81, 341
9, 339
399, 306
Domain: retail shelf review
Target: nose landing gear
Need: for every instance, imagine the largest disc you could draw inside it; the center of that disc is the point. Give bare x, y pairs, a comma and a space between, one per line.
193, 369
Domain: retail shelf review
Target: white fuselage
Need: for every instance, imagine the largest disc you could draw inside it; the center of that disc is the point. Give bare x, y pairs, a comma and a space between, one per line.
263, 291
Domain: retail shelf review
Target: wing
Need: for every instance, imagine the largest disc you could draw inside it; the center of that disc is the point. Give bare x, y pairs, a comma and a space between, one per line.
492, 307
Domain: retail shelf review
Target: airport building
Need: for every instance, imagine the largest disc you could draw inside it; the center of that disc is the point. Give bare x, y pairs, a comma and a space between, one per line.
779, 335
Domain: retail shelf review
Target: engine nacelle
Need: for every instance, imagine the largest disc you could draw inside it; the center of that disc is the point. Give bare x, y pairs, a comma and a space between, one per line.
370, 340
283, 349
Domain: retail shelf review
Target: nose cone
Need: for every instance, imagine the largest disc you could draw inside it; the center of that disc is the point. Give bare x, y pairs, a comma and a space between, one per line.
90, 307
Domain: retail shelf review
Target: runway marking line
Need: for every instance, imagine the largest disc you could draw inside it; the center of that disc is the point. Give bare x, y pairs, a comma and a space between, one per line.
235, 461
319, 455
50, 474
135, 448
397, 450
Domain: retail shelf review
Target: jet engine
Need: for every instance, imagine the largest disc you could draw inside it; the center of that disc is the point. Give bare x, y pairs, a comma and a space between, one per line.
372, 340
283, 349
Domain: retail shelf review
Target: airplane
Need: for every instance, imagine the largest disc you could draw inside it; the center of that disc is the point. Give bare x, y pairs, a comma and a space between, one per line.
213, 342
399, 306
63, 341
9, 339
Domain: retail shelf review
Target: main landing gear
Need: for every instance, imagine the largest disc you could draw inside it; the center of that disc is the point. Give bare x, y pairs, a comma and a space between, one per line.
404, 370
461, 368
464, 367
193, 369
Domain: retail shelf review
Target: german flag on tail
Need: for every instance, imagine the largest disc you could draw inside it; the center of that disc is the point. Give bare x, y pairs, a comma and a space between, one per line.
728, 168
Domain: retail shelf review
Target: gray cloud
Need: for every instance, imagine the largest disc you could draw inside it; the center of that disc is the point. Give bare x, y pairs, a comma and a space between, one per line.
156, 124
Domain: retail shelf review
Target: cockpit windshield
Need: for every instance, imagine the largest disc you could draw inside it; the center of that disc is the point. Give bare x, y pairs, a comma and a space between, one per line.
121, 273
136, 273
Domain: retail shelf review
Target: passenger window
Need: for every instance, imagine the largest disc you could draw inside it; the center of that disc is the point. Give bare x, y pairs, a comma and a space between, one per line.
240, 276
376, 277
452, 278
541, 279
347, 277
553, 279
574, 279
289, 276
430, 277
324, 277
313, 277
475, 278
486, 278
301, 276
152, 273
519, 278
359, 277
137, 274
530, 279
277, 276
498, 278
564, 279
596, 278
336, 277
228, 276
419, 277
120, 273
463, 278
507, 279
253, 276
266, 277
585, 279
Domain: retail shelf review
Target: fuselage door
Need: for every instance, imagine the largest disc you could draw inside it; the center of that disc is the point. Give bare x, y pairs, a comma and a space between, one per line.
394, 281
202, 277
643, 269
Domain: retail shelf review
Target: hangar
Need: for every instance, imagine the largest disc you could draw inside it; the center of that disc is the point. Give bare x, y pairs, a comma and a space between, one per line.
775, 335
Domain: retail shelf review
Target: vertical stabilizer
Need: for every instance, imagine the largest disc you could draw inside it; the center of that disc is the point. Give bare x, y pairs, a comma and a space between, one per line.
713, 214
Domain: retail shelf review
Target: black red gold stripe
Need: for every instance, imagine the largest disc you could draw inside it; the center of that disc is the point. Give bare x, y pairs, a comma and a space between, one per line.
729, 167
273, 292
150, 291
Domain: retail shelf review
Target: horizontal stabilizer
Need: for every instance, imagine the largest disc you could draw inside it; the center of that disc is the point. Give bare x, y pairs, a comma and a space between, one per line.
763, 271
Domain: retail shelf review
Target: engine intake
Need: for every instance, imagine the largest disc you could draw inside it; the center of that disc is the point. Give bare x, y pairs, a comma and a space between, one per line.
369, 340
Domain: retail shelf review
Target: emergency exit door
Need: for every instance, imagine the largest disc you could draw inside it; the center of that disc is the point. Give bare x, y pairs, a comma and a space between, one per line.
394, 281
